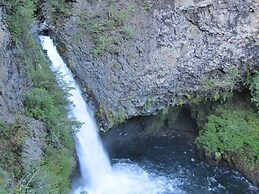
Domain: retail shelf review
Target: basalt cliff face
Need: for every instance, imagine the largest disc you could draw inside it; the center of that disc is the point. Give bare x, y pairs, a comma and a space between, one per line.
13, 79
138, 57
135, 58
14, 83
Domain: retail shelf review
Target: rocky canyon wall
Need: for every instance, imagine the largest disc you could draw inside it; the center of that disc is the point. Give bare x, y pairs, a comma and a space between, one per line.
137, 57
13, 79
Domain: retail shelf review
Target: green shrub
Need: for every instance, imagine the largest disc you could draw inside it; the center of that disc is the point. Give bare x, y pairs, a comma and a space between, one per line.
55, 9
12, 137
150, 102
147, 5
52, 174
20, 18
232, 129
4, 180
103, 44
40, 105
255, 90
108, 29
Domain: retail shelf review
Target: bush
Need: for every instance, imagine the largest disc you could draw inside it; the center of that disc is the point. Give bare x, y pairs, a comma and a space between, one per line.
255, 90
55, 9
40, 105
232, 129
20, 18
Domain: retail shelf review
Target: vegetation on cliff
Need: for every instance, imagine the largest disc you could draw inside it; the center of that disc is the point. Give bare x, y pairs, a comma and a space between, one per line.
45, 102
231, 131
232, 128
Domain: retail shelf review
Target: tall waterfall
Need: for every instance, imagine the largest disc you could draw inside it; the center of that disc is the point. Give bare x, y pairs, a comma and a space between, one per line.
93, 160
97, 174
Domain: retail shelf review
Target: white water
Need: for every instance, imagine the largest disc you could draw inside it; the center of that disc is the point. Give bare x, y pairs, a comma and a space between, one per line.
97, 174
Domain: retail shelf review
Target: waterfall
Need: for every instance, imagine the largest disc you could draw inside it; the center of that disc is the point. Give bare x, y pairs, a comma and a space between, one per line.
98, 176
93, 160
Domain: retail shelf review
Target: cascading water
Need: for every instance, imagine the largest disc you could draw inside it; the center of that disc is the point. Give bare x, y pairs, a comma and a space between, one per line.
95, 166
169, 170
93, 160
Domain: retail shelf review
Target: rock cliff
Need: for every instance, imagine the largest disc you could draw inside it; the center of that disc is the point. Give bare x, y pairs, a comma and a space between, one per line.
14, 83
137, 57
13, 80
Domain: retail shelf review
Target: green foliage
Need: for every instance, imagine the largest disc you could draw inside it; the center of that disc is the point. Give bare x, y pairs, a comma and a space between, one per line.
21, 14
234, 72
12, 137
20, 18
117, 118
127, 31
213, 96
101, 112
46, 102
254, 87
55, 9
52, 175
150, 102
103, 44
4, 181
218, 156
40, 105
107, 29
164, 111
232, 129
217, 83
147, 5
180, 102
163, 123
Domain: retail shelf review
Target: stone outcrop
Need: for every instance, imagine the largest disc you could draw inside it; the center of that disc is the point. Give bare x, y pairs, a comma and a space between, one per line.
174, 50
14, 83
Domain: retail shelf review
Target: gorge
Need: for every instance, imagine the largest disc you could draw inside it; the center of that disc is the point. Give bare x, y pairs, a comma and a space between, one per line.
173, 86
150, 173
